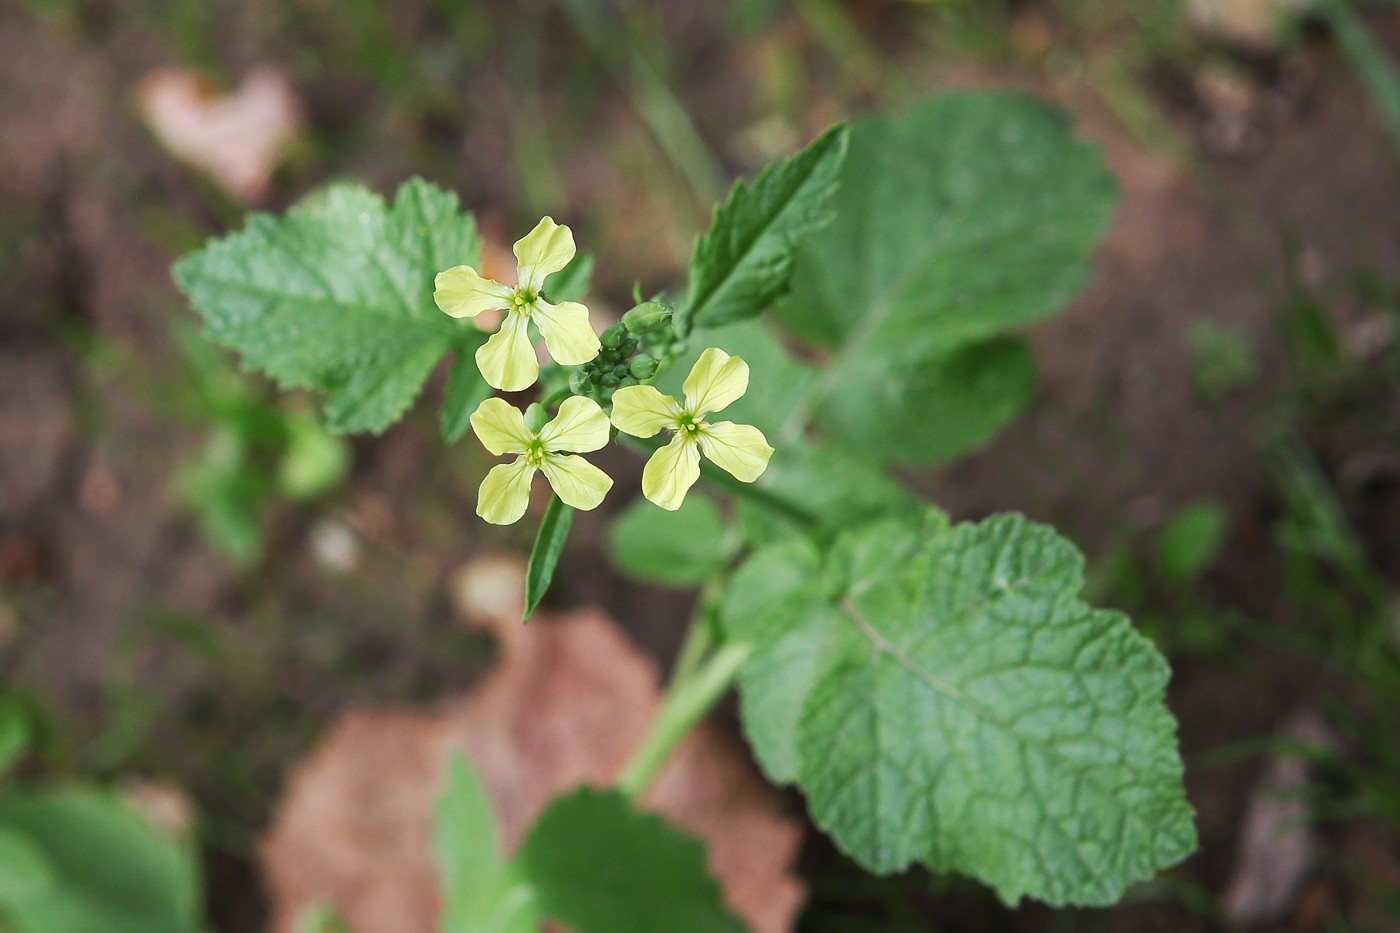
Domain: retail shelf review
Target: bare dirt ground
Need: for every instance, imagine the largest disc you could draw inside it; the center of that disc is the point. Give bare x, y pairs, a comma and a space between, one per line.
156, 657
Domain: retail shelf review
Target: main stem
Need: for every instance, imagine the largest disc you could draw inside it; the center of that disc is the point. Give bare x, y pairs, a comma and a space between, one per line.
685, 704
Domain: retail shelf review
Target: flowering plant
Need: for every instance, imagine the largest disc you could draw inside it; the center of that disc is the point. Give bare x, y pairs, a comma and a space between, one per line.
938, 691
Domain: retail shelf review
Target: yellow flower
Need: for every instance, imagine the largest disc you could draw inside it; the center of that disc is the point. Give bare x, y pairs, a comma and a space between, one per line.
579, 427
507, 360
716, 381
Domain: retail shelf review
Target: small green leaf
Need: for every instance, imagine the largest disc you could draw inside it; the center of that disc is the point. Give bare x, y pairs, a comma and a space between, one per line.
955, 222
315, 461
15, 732
682, 548
466, 389
544, 557
481, 893
942, 696
600, 866
1191, 541
571, 282
338, 296
743, 263
111, 872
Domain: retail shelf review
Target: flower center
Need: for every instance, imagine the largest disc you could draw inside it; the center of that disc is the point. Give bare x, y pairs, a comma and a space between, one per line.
687, 426
535, 454
523, 300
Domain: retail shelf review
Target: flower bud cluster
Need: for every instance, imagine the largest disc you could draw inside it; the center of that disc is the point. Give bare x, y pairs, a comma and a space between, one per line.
632, 352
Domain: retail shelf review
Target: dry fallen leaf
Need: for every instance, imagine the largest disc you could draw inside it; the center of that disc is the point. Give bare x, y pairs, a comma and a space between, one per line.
237, 138
569, 701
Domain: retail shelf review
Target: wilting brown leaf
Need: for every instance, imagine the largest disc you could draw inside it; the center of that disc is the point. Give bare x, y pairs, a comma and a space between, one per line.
567, 704
237, 138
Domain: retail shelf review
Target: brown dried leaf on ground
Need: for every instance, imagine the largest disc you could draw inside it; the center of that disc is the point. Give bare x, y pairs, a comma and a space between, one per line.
237, 138
569, 701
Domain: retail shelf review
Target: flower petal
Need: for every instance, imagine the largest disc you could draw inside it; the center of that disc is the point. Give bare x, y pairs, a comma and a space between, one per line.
643, 410
671, 472
715, 381
500, 427
505, 492
463, 292
566, 331
580, 427
576, 481
507, 360
544, 250
738, 449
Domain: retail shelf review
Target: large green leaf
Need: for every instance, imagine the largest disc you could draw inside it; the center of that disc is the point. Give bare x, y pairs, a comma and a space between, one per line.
481, 893
942, 696
954, 222
683, 548
743, 263
338, 295
108, 871
600, 866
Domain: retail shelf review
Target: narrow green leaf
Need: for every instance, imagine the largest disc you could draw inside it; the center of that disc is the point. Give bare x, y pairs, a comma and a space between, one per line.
643, 876
466, 389
481, 893
338, 296
743, 263
571, 282
682, 548
544, 557
942, 696
955, 222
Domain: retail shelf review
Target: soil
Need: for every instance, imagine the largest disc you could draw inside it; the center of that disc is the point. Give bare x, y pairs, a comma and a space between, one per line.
155, 657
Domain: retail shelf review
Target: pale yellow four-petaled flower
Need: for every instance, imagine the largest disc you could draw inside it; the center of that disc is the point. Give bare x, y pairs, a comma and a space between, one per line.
507, 360
716, 381
580, 427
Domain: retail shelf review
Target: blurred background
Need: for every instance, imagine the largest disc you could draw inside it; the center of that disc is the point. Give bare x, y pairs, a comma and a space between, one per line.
196, 579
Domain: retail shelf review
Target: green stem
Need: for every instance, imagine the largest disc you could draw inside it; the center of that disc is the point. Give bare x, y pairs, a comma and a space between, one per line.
684, 705
701, 637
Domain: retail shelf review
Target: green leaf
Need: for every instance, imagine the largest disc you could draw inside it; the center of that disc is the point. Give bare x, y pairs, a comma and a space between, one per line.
942, 696
936, 409
111, 873
481, 893
466, 389
544, 556
24, 871
15, 731
571, 282
315, 461
600, 866
743, 263
338, 295
954, 222
682, 548
1191, 541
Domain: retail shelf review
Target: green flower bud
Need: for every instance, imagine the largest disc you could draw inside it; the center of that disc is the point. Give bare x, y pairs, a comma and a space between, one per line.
610, 381
647, 317
643, 367
536, 417
578, 381
613, 336
620, 370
